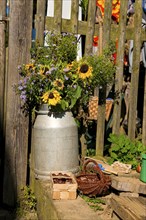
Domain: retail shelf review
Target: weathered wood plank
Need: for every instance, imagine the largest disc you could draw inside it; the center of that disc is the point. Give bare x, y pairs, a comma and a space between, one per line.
119, 69
128, 208
82, 29
16, 143
58, 15
2, 83
102, 92
74, 16
40, 21
144, 114
135, 71
90, 27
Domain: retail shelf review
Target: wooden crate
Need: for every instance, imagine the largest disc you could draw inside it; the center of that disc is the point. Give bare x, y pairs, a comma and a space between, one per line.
64, 185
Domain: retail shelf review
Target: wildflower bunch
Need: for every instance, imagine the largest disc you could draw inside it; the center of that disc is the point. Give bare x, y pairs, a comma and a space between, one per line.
62, 86
56, 78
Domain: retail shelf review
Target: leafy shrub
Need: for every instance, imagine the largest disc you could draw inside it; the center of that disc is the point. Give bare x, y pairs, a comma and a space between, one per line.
27, 201
124, 150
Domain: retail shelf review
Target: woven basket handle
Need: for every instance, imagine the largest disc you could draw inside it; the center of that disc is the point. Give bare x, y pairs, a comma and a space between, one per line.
95, 168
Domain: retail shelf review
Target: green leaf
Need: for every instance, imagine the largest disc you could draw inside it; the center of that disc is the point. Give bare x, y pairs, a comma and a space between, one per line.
64, 104
78, 91
77, 94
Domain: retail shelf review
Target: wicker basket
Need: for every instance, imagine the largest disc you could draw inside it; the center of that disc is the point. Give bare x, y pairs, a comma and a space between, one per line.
93, 108
93, 182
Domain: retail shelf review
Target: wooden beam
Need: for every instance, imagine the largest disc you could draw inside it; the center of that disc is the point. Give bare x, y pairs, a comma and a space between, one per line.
90, 27
40, 21
2, 93
82, 29
135, 71
144, 114
74, 16
58, 15
119, 69
16, 141
102, 92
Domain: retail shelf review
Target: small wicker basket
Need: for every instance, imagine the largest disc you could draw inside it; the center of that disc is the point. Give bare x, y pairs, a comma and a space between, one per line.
93, 108
95, 182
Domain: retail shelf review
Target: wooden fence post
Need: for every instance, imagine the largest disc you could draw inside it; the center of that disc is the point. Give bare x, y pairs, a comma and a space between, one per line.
102, 92
40, 21
119, 69
144, 113
135, 70
90, 27
16, 141
2, 84
74, 15
58, 15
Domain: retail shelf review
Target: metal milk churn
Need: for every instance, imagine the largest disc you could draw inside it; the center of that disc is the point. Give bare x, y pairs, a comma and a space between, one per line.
54, 143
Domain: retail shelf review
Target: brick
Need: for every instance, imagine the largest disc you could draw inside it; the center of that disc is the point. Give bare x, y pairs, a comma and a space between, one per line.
56, 194
72, 194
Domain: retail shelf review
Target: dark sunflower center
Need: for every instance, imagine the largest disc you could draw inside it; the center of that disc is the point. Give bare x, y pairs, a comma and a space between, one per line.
46, 69
59, 84
84, 68
51, 95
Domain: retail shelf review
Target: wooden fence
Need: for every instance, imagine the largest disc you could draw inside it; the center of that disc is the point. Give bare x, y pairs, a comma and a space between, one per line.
13, 125
106, 30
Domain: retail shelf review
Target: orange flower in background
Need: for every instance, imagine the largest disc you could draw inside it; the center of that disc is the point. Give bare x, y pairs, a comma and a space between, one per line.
115, 8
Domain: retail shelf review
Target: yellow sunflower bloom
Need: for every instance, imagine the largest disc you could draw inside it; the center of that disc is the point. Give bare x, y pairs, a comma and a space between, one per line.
51, 97
43, 69
59, 84
84, 71
29, 66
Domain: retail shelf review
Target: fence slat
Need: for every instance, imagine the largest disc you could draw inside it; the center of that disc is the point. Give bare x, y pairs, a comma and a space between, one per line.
135, 70
2, 93
102, 92
74, 15
90, 26
144, 114
58, 15
40, 21
119, 69
16, 143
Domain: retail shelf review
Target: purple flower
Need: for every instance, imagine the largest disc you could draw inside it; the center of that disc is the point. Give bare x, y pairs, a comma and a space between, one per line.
66, 70
75, 86
66, 77
20, 88
23, 92
51, 70
23, 97
19, 67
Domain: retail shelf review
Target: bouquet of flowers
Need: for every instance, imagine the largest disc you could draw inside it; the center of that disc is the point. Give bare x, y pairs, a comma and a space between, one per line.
56, 78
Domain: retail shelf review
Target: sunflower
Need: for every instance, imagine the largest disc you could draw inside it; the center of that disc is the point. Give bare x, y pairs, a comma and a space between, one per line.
29, 66
43, 69
84, 71
59, 84
51, 97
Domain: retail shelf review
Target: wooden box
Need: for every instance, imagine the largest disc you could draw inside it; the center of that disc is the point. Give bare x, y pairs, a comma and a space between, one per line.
64, 185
